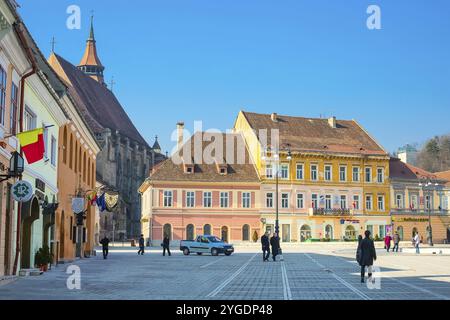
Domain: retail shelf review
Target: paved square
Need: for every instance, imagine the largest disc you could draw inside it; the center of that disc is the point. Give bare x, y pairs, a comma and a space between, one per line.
307, 273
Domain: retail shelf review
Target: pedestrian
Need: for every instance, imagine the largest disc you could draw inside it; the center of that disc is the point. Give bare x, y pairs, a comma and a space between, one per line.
275, 243
265, 246
396, 242
166, 246
416, 242
105, 247
358, 251
387, 242
141, 245
368, 255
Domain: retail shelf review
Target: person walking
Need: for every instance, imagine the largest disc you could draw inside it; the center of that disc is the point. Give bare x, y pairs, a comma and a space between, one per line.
265, 246
358, 251
387, 242
368, 256
141, 245
416, 242
166, 246
396, 242
275, 243
105, 247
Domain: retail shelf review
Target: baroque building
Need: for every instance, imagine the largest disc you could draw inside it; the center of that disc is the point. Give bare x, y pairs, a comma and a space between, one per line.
125, 157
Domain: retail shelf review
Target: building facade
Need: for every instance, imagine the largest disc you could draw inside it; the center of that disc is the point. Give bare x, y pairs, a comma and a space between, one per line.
333, 186
196, 197
125, 157
419, 198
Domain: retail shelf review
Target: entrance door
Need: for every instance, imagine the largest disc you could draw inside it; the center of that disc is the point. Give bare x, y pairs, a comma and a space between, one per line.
224, 234
448, 234
286, 230
305, 233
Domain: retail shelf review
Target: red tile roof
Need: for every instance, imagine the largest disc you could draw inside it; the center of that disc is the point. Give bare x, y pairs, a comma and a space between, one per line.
401, 170
445, 175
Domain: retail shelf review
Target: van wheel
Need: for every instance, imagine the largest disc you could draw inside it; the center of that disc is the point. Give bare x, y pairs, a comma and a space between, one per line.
199, 253
186, 252
214, 252
228, 254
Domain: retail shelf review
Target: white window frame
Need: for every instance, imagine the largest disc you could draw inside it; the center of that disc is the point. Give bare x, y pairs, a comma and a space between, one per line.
207, 195
378, 175
168, 198
284, 171
369, 202
315, 200
269, 171
343, 201
53, 148
328, 202
399, 202
224, 199
358, 174
246, 200
357, 201
328, 174
345, 173
190, 199
284, 200
300, 171
316, 171
269, 198
300, 201
382, 202
365, 174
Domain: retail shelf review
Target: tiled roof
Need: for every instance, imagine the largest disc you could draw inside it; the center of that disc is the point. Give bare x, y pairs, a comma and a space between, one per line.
445, 175
400, 170
245, 172
100, 107
316, 135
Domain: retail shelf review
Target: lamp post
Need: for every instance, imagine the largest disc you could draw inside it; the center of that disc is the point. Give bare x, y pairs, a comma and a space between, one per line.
276, 159
16, 167
428, 187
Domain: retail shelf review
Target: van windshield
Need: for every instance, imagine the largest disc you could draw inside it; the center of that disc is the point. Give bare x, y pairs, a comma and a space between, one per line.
214, 239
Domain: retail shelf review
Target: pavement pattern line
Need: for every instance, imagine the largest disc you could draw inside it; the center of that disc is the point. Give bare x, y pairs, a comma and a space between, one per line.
286, 287
361, 294
211, 263
412, 286
216, 291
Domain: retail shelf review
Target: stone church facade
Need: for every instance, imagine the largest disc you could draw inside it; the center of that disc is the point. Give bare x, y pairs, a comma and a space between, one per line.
125, 158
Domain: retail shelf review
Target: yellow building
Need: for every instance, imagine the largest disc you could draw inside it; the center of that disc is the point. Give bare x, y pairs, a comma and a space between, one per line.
333, 176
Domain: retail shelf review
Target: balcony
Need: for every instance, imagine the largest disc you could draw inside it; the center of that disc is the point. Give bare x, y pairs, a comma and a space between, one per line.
421, 211
330, 212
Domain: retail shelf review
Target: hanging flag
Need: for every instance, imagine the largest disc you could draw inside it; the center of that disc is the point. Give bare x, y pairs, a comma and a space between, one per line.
92, 198
101, 203
32, 144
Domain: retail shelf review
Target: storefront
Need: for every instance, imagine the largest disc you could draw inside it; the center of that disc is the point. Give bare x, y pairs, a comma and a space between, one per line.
408, 225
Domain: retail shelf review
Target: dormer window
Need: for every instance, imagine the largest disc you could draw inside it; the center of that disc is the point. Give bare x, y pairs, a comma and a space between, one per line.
223, 171
222, 167
189, 169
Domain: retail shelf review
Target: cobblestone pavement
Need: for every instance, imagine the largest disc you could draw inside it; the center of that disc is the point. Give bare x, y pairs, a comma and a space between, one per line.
304, 274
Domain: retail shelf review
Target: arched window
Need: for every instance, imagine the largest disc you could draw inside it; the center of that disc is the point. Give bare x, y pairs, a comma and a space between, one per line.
350, 233
79, 159
71, 152
75, 168
246, 233
64, 149
84, 167
329, 232
207, 230
190, 232
93, 175
305, 233
89, 172
167, 231
224, 234
400, 232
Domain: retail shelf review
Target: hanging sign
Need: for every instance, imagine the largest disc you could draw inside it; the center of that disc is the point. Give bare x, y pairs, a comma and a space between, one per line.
22, 191
77, 205
111, 200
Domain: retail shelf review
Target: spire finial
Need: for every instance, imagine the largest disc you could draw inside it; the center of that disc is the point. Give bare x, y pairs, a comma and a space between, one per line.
53, 44
91, 35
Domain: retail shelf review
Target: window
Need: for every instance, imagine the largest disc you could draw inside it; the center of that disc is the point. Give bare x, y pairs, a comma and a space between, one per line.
299, 172
190, 199
29, 120
300, 201
314, 172
14, 108
53, 151
342, 173
380, 175
285, 200
2, 95
207, 202
224, 199
399, 201
168, 198
427, 202
343, 202
368, 174
414, 202
207, 230
355, 174
328, 202
314, 201
190, 232
269, 200
368, 202
269, 171
246, 197
285, 171
328, 170
45, 142
246, 232
381, 203
356, 202
382, 231
71, 152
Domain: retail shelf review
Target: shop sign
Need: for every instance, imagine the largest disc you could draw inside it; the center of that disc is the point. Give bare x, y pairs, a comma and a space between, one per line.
77, 205
22, 191
410, 220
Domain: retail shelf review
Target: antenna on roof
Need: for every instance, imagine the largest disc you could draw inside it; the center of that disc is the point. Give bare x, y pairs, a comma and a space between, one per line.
111, 84
53, 44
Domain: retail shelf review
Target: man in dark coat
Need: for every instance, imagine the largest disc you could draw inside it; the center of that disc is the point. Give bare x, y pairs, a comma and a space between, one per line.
166, 246
275, 243
265, 246
141, 245
105, 247
368, 255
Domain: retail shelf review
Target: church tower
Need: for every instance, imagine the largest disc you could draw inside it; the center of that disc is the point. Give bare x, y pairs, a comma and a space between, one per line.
90, 63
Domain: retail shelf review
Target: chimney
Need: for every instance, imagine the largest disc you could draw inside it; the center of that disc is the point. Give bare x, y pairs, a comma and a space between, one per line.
332, 122
180, 130
274, 117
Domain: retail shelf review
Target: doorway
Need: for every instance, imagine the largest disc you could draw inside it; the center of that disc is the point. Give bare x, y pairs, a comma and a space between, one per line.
224, 234
305, 233
27, 232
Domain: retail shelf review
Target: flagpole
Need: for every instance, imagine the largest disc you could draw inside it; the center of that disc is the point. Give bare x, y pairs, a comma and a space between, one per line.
14, 135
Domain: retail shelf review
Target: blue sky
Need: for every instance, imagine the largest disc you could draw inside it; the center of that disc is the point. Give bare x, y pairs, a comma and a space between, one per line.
187, 60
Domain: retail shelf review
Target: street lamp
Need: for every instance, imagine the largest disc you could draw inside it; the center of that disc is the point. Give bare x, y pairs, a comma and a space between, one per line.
16, 167
428, 187
276, 156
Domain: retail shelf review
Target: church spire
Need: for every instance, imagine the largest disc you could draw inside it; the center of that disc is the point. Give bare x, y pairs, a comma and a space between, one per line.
90, 63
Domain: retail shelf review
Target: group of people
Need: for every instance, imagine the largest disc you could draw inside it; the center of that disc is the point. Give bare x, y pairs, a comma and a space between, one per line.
267, 243
165, 245
388, 240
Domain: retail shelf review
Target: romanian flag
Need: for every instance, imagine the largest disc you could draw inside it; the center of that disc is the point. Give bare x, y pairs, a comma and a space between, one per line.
32, 144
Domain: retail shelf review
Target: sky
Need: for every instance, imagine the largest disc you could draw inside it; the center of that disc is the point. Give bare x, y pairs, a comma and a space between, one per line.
205, 60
